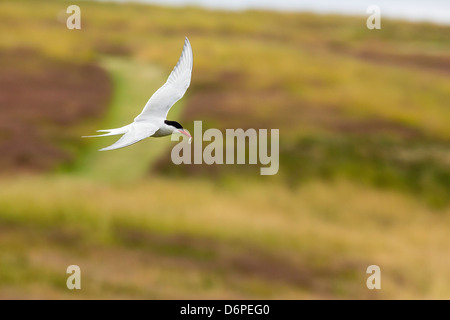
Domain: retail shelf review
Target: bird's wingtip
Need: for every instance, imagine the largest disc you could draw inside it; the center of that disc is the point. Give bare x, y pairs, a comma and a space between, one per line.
111, 147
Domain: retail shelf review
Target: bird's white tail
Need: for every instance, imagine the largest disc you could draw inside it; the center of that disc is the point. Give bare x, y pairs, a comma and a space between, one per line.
110, 132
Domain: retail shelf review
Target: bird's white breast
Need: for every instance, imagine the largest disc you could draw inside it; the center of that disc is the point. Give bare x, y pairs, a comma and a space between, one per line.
164, 130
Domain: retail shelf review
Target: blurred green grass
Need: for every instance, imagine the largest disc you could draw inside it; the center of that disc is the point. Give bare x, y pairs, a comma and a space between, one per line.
364, 177
245, 241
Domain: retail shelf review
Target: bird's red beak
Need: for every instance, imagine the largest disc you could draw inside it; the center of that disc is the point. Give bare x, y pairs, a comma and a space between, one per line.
186, 133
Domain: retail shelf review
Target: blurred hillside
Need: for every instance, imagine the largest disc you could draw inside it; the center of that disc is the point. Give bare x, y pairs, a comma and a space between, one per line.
364, 174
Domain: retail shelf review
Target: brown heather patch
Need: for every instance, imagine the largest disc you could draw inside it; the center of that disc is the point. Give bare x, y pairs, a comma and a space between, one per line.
40, 100
225, 101
366, 127
438, 63
418, 60
113, 49
235, 105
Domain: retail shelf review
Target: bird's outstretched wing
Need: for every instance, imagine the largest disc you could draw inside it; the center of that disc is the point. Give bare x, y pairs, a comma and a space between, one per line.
173, 90
135, 133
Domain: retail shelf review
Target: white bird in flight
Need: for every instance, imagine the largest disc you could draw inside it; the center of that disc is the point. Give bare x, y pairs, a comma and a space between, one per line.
151, 122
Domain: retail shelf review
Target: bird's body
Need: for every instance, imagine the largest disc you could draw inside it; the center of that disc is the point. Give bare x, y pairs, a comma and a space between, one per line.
151, 122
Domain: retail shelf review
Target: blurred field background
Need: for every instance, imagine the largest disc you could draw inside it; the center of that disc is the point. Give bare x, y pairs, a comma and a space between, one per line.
364, 176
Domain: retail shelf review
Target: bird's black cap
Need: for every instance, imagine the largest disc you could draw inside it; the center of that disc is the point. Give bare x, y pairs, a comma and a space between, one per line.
173, 124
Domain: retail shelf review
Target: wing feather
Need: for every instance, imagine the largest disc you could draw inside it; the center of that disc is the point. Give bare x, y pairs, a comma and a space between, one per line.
135, 134
173, 90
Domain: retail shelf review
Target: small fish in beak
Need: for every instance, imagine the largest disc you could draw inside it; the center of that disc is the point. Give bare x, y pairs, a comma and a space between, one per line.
186, 133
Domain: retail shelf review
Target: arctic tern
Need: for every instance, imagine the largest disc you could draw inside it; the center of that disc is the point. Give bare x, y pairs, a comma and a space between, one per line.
152, 122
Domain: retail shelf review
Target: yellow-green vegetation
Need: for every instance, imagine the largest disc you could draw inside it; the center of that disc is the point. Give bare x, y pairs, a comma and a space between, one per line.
184, 239
364, 160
